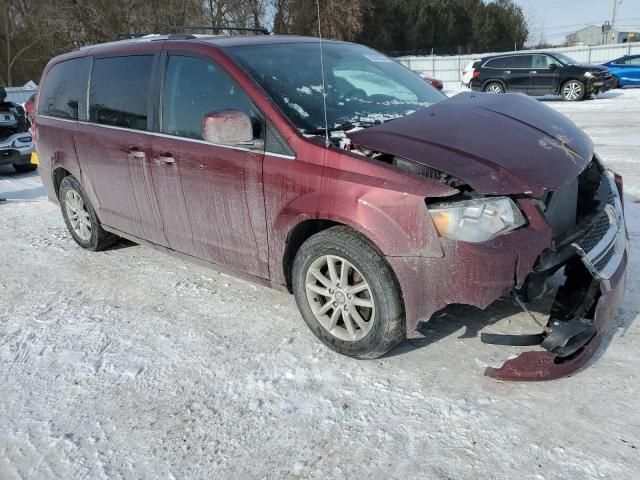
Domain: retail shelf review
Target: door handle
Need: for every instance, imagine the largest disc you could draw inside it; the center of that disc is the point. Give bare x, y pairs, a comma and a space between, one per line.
135, 152
534, 72
507, 71
165, 158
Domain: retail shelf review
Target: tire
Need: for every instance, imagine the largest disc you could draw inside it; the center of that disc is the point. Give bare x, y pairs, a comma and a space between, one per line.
616, 83
493, 87
573, 91
24, 167
381, 326
85, 228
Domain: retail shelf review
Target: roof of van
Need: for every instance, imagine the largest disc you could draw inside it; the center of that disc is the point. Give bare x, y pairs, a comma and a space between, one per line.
219, 40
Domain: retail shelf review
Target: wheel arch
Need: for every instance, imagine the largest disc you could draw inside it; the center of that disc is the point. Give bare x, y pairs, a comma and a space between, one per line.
299, 234
58, 174
494, 80
304, 230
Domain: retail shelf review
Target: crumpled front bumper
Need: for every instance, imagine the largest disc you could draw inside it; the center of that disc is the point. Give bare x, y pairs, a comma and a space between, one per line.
546, 365
598, 284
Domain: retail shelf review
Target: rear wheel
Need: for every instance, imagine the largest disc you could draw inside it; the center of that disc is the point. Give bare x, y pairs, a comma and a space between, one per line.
24, 167
573, 91
347, 294
80, 217
494, 87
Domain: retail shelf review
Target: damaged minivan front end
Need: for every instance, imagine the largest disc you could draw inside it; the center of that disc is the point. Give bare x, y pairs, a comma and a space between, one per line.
533, 202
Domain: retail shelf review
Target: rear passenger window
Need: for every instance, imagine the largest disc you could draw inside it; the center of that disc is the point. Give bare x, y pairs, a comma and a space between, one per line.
521, 61
119, 92
194, 87
64, 90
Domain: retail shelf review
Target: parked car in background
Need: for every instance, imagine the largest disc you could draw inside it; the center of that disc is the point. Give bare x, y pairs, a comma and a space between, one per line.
540, 74
16, 143
373, 204
468, 72
625, 70
434, 82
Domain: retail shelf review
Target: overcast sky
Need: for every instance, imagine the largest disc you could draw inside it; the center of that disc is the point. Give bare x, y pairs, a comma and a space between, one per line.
557, 18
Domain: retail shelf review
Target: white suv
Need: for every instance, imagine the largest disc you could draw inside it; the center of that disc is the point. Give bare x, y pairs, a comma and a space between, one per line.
467, 73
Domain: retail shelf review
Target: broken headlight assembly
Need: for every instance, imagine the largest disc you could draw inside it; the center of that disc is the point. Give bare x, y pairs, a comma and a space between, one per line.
477, 220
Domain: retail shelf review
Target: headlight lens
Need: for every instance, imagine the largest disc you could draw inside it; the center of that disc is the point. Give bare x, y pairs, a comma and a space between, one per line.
478, 220
588, 74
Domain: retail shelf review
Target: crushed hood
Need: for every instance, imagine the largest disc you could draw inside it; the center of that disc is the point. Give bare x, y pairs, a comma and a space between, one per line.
498, 144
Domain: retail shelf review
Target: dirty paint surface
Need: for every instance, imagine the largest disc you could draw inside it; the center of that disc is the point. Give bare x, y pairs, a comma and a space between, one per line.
132, 364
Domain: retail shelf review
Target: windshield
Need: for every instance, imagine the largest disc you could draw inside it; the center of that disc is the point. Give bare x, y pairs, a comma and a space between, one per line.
363, 87
564, 59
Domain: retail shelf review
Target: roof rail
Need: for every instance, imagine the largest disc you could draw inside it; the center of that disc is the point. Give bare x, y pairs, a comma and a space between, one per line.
263, 31
180, 32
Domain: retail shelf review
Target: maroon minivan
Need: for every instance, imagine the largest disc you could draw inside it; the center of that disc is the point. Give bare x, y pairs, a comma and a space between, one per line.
350, 182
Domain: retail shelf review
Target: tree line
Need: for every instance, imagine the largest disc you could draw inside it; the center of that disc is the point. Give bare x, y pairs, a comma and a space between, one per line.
33, 31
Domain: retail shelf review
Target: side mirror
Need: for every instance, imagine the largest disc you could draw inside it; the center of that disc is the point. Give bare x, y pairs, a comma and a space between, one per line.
553, 67
227, 127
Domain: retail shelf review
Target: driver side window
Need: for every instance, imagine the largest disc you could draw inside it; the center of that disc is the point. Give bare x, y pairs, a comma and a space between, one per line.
194, 87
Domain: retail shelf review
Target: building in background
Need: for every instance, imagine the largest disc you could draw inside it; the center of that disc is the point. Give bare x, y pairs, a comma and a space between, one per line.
602, 35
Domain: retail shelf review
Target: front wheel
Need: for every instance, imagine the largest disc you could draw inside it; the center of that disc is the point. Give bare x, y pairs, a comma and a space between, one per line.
573, 91
80, 217
348, 294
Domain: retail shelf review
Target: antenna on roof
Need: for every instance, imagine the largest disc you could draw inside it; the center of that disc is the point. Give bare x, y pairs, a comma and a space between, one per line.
324, 95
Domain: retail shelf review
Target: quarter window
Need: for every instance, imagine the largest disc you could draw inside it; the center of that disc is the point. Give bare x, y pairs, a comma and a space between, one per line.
64, 91
194, 87
502, 62
119, 91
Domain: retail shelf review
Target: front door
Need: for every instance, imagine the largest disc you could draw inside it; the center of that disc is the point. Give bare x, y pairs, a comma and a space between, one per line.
114, 145
211, 196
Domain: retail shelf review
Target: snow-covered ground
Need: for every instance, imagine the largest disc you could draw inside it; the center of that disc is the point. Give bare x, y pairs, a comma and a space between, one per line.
132, 364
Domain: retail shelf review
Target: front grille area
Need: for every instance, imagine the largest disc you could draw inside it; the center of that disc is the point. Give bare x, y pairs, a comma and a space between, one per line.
600, 264
586, 216
598, 229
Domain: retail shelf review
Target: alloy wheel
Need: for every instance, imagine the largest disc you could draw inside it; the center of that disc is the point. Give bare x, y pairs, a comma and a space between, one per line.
340, 298
572, 91
78, 215
494, 88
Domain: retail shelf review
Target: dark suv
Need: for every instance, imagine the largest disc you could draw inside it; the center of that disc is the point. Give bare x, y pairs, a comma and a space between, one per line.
540, 73
358, 190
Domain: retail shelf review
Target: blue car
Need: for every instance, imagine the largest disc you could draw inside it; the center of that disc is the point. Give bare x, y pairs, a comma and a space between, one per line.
625, 70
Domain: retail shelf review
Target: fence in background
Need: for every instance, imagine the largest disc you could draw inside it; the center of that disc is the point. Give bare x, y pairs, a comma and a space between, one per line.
449, 69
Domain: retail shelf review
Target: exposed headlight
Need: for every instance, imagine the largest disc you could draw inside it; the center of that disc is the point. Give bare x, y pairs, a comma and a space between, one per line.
477, 220
588, 74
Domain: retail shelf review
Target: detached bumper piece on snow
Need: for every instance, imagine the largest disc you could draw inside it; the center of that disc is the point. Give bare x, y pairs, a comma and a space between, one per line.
588, 299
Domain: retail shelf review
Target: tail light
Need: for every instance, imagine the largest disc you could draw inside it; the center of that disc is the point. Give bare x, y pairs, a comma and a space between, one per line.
476, 74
